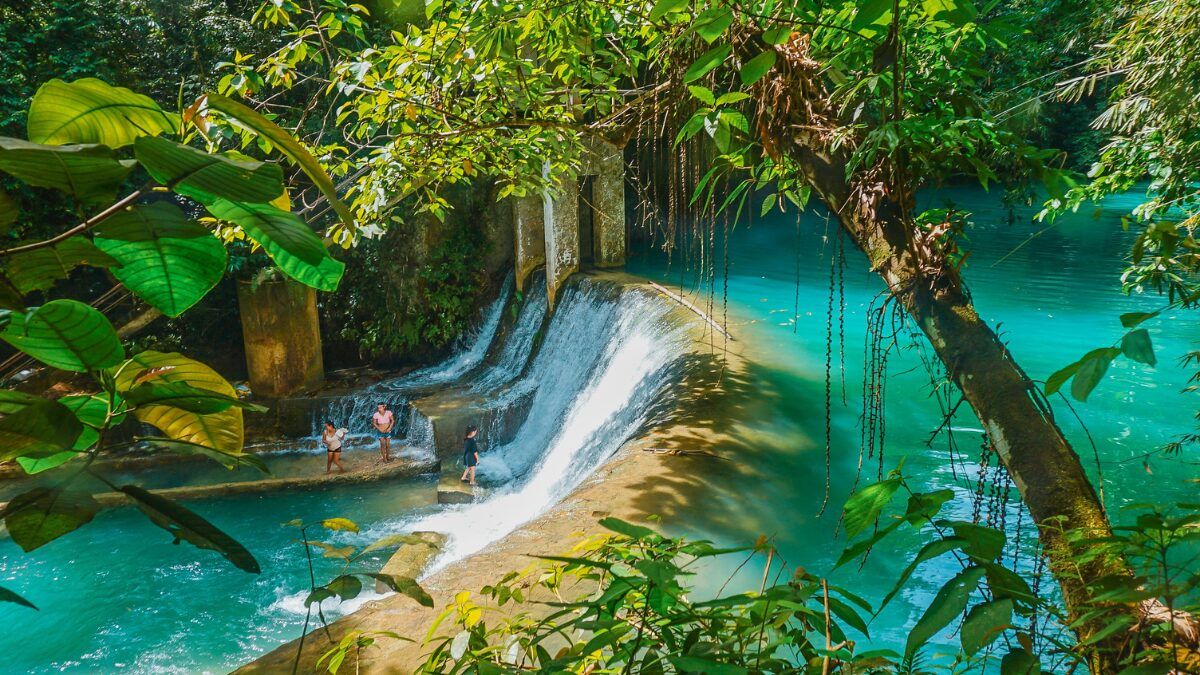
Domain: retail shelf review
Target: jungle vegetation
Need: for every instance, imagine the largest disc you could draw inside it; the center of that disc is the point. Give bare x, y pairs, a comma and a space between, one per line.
750, 106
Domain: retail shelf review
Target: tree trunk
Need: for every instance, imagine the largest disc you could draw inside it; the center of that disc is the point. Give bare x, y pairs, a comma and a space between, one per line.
1019, 422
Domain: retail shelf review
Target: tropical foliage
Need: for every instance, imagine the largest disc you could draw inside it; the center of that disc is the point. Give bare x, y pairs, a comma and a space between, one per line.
89, 140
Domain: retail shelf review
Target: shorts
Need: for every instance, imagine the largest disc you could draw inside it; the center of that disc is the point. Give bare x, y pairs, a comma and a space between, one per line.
382, 434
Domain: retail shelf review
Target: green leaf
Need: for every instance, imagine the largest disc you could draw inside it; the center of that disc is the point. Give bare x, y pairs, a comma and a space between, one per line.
707, 62
863, 507
221, 431
695, 664
92, 111
985, 543
288, 145
9, 212
166, 259
38, 269
757, 67
12, 401
92, 412
949, 603
871, 12
1136, 345
339, 525
289, 242
1020, 662
8, 596
40, 516
954, 10
204, 176
1133, 319
712, 23
985, 623
404, 586
777, 36
346, 587
89, 173
662, 8
65, 334
186, 525
703, 93
628, 529
33, 465
1090, 372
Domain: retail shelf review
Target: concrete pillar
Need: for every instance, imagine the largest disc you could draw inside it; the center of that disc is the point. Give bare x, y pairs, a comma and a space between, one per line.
282, 337
529, 224
562, 236
608, 200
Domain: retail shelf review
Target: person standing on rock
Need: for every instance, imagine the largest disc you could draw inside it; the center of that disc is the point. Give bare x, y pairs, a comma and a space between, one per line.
333, 439
470, 454
384, 420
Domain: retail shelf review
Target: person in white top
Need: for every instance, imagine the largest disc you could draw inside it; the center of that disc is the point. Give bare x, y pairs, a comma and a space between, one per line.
333, 439
383, 421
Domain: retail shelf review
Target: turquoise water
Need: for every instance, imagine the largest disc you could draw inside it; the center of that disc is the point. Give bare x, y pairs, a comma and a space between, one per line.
1052, 300
117, 596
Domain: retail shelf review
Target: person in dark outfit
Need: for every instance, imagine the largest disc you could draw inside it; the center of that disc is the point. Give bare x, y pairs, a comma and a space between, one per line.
470, 454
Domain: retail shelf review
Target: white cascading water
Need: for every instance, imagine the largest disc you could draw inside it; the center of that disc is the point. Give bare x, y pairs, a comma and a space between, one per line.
607, 356
518, 344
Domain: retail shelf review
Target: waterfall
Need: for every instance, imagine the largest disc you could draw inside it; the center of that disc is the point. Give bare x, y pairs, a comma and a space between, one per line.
606, 357
517, 347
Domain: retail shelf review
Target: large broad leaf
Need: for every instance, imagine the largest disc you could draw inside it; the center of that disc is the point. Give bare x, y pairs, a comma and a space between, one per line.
89, 173
93, 111
754, 69
44, 514
92, 412
8, 596
288, 145
204, 176
949, 603
289, 242
404, 586
166, 259
8, 212
1136, 345
39, 429
65, 334
222, 430
985, 623
707, 62
38, 269
864, 506
14, 401
186, 525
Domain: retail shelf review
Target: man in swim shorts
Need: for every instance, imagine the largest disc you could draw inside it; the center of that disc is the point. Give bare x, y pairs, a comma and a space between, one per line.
383, 420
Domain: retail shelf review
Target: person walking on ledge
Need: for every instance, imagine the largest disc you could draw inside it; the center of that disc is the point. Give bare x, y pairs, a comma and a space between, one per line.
384, 420
470, 455
333, 438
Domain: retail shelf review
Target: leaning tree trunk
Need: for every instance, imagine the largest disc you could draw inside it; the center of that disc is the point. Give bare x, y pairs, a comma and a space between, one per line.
793, 122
